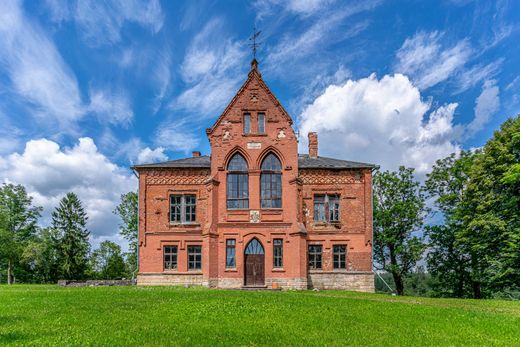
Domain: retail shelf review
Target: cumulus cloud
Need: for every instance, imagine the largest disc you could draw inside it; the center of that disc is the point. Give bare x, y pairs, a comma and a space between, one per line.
428, 61
35, 68
382, 121
101, 22
148, 155
49, 172
211, 70
486, 104
111, 106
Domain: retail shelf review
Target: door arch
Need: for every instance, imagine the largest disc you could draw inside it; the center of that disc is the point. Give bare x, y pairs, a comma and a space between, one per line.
254, 264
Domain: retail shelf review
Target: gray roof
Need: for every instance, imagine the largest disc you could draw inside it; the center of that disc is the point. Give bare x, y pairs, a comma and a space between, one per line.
304, 162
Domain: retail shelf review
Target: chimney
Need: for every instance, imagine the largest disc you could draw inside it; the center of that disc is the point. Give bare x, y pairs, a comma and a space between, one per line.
195, 154
313, 144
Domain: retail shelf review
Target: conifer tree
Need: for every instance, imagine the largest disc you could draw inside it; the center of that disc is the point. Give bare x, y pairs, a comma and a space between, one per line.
69, 223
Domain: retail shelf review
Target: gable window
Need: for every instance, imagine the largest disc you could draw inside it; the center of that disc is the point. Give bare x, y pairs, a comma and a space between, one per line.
277, 253
194, 257
247, 123
314, 254
230, 253
326, 208
170, 257
237, 183
271, 182
261, 123
340, 256
182, 209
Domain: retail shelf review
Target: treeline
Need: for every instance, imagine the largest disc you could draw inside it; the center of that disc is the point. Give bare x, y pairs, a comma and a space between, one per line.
32, 254
473, 250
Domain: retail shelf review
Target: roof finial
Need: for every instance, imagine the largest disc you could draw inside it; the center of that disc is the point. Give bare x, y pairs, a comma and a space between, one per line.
254, 45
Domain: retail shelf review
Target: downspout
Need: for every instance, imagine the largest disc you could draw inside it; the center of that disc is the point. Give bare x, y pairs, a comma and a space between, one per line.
134, 275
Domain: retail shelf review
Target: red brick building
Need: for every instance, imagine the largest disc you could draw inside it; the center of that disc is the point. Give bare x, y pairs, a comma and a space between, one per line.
255, 212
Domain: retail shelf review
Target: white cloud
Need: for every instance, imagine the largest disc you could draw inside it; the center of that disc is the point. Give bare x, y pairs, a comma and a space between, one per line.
486, 104
101, 22
380, 121
110, 106
176, 135
301, 7
147, 155
428, 61
36, 69
211, 69
49, 172
471, 77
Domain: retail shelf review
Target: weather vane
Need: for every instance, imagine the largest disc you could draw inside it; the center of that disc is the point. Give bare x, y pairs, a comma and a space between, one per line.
255, 44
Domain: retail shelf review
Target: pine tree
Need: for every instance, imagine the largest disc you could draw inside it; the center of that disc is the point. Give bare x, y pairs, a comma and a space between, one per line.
69, 223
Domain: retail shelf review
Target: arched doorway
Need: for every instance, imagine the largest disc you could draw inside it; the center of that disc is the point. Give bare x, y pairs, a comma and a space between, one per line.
254, 272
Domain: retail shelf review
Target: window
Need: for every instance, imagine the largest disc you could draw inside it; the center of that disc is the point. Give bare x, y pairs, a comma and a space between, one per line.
278, 253
247, 123
230, 253
194, 257
237, 183
326, 208
261, 123
170, 257
271, 182
340, 256
314, 257
182, 208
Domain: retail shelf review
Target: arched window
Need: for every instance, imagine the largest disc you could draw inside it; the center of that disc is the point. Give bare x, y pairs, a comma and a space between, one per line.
271, 182
237, 183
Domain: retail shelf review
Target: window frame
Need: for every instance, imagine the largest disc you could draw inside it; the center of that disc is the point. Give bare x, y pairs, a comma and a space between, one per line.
173, 254
341, 256
184, 209
269, 176
278, 258
246, 126
241, 176
331, 215
315, 257
197, 257
261, 130
231, 245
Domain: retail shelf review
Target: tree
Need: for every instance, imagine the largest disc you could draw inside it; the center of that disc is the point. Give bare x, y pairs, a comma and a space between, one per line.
449, 261
127, 210
491, 219
18, 218
107, 261
41, 256
399, 211
69, 224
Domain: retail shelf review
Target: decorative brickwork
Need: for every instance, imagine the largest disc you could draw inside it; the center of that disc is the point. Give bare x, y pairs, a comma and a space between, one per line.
177, 177
330, 177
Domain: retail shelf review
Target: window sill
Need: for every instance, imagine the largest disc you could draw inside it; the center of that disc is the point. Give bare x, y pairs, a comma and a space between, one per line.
278, 269
231, 269
174, 224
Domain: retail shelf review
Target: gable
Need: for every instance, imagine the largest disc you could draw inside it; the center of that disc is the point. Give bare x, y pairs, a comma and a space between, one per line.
252, 93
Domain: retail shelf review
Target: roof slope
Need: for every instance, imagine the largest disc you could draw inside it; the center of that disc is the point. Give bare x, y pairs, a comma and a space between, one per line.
304, 162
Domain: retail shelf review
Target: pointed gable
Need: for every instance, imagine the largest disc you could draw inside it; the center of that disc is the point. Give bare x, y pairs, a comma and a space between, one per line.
248, 95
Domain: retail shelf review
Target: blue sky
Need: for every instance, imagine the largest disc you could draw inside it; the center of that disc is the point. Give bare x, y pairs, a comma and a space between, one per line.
89, 88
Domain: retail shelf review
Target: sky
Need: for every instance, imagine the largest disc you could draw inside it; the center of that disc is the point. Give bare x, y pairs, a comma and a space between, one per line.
90, 88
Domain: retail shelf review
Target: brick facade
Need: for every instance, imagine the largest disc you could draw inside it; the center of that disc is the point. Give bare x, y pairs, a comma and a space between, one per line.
302, 178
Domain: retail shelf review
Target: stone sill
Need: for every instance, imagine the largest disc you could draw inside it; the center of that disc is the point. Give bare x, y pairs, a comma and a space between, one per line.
184, 225
278, 269
230, 270
170, 273
346, 272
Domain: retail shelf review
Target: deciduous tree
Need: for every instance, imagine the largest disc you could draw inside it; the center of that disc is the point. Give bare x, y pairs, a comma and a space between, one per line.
127, 210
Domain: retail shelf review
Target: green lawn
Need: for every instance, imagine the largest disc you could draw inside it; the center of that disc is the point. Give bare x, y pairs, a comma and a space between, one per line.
49, 315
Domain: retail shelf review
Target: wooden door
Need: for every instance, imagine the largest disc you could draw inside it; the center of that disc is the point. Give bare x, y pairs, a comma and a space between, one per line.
254, 269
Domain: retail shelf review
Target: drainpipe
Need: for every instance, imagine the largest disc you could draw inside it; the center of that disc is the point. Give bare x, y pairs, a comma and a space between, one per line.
134, 275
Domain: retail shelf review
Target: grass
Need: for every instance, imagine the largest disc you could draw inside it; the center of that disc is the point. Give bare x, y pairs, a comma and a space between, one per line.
49, 315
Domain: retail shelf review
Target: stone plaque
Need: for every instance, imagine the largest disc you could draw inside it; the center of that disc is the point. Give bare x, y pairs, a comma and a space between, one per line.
254, 216
254, 145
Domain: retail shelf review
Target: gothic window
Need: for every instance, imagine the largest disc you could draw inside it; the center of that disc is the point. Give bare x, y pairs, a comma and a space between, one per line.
326, 208
182, 209
237, 183
247, 123
277, 253
170, 257
230, 253
340, 256
314, 255
194, 257
261, 123
271, 182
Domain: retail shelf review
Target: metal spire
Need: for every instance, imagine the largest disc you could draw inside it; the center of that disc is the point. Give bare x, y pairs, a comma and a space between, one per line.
254, 45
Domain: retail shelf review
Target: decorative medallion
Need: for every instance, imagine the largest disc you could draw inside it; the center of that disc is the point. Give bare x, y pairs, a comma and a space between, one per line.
281, 134
254, 216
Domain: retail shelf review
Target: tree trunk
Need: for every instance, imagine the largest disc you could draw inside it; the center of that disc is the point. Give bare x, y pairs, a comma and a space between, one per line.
476, 290
399, 284
9, 272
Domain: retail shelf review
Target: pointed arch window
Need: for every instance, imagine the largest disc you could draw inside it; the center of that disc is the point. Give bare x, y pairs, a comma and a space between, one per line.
237, 183
271, 182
